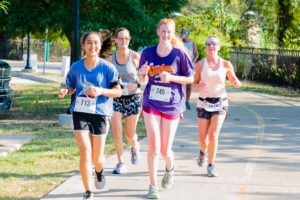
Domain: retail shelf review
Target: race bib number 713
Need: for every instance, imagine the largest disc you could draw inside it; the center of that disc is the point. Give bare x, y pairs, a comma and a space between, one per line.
85, 105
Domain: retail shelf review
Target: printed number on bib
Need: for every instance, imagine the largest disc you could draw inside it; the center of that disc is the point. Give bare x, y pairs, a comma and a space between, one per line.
85, 105
160, 93
212, 107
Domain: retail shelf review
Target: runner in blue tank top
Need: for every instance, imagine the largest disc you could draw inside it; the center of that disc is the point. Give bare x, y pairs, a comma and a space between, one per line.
94, 81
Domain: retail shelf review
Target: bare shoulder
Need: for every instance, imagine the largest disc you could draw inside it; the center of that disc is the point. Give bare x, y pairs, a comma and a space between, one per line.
227, 64
135, 55
199, 64
136, 58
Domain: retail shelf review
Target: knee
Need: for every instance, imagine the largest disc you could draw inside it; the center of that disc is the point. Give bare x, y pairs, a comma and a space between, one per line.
85, 155
130, 137
212, 137
153, 151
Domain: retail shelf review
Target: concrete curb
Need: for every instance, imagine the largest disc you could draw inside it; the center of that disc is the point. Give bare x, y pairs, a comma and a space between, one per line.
11, 143
33, 77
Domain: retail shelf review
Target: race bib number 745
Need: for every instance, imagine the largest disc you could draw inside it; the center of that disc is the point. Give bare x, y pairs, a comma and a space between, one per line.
160, 93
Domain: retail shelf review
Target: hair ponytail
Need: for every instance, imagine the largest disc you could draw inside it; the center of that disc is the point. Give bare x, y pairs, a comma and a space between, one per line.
177, 42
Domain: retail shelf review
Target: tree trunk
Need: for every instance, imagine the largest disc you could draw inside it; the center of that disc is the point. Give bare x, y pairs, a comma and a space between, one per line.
284, 20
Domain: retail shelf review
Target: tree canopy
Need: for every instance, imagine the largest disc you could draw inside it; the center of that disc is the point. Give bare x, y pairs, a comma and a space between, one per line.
139, 16
277, 21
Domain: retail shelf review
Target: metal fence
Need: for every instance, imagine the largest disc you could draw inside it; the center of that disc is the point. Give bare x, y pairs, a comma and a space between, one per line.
14, 50
274, 66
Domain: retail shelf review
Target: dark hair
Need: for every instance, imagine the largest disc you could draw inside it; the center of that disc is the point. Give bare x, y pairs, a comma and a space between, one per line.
107, 43
121, 29
86, 34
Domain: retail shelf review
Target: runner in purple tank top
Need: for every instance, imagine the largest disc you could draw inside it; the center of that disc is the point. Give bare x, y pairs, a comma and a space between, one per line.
167, 68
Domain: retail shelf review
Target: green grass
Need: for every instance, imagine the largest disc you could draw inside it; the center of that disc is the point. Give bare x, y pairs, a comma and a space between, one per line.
269, 89
49, 159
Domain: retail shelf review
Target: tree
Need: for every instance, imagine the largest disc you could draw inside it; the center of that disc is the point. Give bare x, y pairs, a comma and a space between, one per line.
3, 6
139, 16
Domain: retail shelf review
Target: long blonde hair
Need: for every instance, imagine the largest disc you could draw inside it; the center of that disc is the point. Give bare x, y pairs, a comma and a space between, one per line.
176, 41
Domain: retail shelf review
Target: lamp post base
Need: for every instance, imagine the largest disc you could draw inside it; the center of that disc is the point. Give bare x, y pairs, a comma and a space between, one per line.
29, 70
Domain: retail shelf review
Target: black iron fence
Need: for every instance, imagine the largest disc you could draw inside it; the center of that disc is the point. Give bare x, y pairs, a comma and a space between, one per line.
274, 66
14, 50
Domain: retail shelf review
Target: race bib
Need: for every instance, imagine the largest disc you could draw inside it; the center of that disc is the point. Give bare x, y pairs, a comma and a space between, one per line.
160, 93
85, 105
212, 107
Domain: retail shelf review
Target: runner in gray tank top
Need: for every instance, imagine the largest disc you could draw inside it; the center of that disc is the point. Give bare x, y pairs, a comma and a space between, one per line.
129, 104
191, 46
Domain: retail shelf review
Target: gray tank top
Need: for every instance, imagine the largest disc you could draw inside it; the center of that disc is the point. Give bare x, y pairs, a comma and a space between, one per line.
128, 73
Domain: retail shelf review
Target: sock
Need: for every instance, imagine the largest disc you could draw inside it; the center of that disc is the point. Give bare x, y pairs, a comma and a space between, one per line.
99, 173
202, 153
170, 169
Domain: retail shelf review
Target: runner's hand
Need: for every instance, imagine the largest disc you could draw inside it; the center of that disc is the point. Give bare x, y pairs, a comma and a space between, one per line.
203, 85
236, 84
132, 87
62, 93
144, 69
94, 91
165, 77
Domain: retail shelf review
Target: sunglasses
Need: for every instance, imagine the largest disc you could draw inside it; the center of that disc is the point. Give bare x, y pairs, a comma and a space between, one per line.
123, 38
210, 43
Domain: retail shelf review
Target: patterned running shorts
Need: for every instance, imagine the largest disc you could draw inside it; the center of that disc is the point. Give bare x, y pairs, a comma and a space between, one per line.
203, 114
128, 105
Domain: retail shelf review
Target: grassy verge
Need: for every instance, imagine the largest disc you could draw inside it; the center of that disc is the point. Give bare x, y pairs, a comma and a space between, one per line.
269, 89
52, 156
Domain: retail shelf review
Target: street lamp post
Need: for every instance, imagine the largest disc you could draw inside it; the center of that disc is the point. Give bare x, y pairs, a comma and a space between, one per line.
75, 41
28, 67
76, 31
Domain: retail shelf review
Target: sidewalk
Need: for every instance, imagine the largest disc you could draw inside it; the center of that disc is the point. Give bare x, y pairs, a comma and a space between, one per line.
258, 158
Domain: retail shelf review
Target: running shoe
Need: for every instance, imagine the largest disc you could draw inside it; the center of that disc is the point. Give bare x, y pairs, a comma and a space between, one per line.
135, 154
211, 172
120, 169
168, 179
202, 159
187, 105
99, 180
88, 195
153, 192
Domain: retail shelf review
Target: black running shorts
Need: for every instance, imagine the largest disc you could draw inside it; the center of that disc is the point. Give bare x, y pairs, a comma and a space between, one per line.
95, 124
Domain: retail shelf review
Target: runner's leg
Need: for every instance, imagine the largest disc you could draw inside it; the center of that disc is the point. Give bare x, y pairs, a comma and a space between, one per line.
153, 123
85, 150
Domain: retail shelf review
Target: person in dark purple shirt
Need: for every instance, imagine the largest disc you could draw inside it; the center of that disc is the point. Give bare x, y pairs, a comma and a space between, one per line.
168, 68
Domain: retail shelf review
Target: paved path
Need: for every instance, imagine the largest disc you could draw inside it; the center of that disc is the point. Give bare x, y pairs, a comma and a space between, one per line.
50, 67
258, 158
